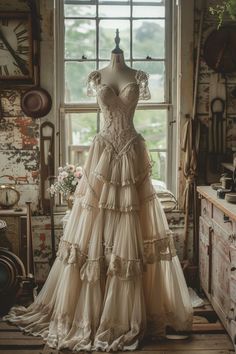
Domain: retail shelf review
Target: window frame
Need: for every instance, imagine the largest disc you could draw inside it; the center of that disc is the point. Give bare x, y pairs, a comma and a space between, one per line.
170, 79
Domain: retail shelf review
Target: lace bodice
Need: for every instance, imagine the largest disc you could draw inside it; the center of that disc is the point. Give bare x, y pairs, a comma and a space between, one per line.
118, 109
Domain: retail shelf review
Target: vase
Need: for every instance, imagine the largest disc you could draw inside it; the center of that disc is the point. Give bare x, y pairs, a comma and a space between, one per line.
69, 201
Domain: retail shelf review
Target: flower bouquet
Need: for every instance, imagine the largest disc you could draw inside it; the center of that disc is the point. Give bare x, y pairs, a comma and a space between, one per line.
67, 180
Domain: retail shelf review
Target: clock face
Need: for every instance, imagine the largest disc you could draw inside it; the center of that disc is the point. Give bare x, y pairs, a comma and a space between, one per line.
15, 46
9, 196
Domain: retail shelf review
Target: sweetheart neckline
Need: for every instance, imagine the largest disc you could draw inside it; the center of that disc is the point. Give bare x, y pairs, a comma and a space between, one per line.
121, 90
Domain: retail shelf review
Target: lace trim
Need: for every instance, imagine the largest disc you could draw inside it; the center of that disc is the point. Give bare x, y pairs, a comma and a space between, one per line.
91, 269
142, 79
94, 80
119, 208
115, 207
159, 249
70, 253
146, 172
108, 331
125, 269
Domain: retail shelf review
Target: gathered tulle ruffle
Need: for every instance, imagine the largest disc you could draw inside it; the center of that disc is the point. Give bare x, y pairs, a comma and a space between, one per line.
111, 167
116, 276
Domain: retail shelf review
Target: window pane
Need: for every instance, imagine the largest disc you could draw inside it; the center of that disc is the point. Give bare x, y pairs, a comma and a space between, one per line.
148, 11
161, 2
81, 128
80, 10
103, 64
80, 39
156, 71
107, 32
76, 75
149, 38
159, 165
152, 124
113, 1
114, 11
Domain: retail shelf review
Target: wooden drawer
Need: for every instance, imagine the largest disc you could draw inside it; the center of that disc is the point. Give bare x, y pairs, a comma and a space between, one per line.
232, 331
223, 220
206, 208
205, 255
204, 226
222, 236
232, 257
232, 312
221, 269
232, 287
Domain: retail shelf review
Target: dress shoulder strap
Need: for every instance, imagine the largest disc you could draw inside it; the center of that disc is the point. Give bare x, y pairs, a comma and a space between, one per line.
142, 80
93, 81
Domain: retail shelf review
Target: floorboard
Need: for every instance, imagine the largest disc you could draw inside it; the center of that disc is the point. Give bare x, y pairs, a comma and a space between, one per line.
208, 337
18, 343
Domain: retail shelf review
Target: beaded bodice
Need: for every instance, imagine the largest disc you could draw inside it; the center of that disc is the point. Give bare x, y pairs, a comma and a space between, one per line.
118, 108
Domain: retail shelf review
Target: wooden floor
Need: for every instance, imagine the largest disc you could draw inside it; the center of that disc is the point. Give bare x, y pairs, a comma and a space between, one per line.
208, 337
12, 341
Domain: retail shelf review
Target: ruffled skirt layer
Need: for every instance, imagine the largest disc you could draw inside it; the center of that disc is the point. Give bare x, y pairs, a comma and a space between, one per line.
116, 277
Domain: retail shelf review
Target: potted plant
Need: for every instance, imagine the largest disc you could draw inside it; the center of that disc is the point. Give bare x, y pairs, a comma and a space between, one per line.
226, 7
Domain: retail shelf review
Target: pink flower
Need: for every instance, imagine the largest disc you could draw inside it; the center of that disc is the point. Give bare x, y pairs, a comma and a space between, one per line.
78, 174
67, 180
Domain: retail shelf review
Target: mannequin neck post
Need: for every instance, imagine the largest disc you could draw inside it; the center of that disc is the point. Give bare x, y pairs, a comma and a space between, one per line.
117, 61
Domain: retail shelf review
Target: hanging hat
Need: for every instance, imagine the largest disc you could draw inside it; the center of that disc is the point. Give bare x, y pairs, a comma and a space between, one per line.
36, 102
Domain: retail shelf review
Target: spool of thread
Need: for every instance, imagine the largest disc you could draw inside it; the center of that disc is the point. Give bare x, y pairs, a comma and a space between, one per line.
226, 182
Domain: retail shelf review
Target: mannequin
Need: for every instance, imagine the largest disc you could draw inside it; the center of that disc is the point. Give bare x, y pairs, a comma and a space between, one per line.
116, 277
117, 74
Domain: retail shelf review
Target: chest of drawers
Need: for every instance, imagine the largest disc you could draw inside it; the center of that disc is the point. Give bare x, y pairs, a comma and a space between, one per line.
217, 256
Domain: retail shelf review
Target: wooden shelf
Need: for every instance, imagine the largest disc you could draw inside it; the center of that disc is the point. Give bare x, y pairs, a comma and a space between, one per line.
228, 166
13, 212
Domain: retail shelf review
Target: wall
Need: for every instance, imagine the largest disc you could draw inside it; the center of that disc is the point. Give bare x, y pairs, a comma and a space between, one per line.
19, 134
211, 85
20, 138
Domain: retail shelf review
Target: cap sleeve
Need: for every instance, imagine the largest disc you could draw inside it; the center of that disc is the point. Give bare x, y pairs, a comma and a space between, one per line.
142, 80
93, 81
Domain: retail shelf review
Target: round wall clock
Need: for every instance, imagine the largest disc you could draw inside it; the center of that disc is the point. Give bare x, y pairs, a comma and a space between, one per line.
9, 196
220, 50
16, 48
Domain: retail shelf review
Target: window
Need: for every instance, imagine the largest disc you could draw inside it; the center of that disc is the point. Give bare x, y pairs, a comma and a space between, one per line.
145, 32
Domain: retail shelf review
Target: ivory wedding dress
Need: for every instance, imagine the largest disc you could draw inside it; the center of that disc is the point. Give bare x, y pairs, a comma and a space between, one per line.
116, 277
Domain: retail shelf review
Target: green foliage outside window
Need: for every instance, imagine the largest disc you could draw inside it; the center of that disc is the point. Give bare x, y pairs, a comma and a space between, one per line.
148, 40
220, 10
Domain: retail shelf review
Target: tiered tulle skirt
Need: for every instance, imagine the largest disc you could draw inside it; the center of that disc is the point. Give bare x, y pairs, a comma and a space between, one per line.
116, 277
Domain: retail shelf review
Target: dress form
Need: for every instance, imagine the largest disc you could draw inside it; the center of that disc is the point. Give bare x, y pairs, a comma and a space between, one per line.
117, 74
116, 277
